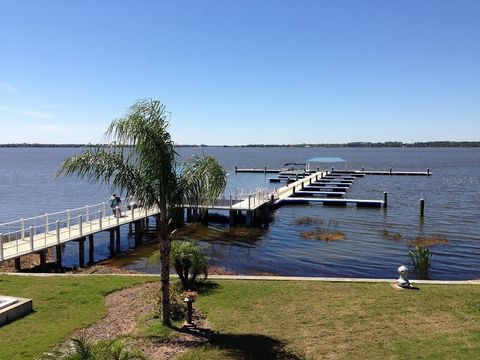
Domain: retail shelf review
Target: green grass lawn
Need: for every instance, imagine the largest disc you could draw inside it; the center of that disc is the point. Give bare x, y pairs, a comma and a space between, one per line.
317, 320
269, 319
61, 305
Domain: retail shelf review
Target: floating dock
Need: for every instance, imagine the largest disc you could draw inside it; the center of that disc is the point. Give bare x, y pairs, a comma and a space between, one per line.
335, 202
380, 172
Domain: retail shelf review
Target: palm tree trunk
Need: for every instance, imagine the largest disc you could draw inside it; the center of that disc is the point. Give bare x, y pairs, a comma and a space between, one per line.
165, 247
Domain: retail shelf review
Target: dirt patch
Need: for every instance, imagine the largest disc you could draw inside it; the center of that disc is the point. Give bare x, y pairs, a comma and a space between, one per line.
126, 309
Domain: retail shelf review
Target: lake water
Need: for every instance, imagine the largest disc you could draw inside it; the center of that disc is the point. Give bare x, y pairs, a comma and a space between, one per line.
452, 211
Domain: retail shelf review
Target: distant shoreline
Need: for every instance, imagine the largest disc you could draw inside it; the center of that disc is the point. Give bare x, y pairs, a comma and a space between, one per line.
388, 144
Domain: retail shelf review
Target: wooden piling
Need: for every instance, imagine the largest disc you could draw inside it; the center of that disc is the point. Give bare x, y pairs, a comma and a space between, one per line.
117, 240
90, 249
385, 199
138, 233
58, 256
43, 260
18, 266
422, 207
81, 252
112, 242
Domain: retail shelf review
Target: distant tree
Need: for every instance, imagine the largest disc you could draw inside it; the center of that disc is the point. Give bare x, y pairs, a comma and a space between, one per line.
142, 164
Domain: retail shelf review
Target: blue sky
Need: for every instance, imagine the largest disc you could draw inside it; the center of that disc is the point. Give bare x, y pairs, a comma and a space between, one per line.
242, 72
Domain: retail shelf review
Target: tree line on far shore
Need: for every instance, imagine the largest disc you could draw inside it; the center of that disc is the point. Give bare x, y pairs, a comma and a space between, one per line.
359, 144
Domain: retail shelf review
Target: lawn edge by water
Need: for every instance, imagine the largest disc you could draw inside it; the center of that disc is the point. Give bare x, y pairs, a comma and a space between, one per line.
265, 277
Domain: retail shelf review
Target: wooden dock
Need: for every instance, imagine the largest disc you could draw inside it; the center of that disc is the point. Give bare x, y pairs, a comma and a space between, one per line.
381, 172
336, 202
37, 234
264, 170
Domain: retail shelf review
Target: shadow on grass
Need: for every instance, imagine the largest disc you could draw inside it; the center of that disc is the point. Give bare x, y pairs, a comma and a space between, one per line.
252, 346
246, 346
207, 287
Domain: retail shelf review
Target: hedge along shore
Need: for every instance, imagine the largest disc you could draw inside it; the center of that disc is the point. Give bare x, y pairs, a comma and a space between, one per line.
263, 277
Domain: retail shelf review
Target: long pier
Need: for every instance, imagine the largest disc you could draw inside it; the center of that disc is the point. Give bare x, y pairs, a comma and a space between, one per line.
37, 234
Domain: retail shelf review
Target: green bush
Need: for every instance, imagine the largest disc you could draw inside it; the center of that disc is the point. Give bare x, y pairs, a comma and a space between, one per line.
189, 263
99, 350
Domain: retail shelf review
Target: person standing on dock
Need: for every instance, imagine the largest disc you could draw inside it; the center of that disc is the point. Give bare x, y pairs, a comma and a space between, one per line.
115, 202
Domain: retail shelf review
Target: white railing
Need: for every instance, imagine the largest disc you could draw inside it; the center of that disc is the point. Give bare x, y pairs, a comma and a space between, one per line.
61, 221
249, 198
63, 226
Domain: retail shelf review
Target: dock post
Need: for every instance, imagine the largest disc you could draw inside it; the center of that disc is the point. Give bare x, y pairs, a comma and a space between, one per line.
249, 218
293, 190
90, 249
385, 199
43, 260
428, 171
321, 175
363, 168
422, 207
390, 171
58, 256
117, 240
236, 168
80, 227
18, 267
100, 215
332, 168
112, 242
138, 233
265, 169
81, 252
57, 231
31, 237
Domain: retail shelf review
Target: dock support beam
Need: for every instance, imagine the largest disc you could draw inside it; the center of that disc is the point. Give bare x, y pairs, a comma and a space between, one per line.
90, 249
43, 260
112, 242
250, 218
117, 240
58, 256
138, 233
18, 267
81, 252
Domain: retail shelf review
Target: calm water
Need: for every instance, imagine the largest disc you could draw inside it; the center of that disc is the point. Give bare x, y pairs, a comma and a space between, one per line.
452, 198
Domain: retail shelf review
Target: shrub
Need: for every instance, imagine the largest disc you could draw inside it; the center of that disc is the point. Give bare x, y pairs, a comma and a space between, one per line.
189, 263
100, 350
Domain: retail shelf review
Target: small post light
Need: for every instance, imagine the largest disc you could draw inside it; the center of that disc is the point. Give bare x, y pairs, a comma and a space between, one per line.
402, 281
189, 301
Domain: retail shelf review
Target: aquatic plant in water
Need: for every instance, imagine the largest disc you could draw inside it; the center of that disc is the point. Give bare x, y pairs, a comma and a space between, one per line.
421, 258
322, 234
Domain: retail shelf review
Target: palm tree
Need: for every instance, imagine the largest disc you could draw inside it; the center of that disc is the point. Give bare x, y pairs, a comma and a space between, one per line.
141, 163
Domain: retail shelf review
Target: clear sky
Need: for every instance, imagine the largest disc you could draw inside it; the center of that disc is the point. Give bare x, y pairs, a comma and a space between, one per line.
242, 72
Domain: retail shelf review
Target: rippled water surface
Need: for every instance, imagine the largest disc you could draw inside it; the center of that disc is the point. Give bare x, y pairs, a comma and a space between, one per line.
452, 198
